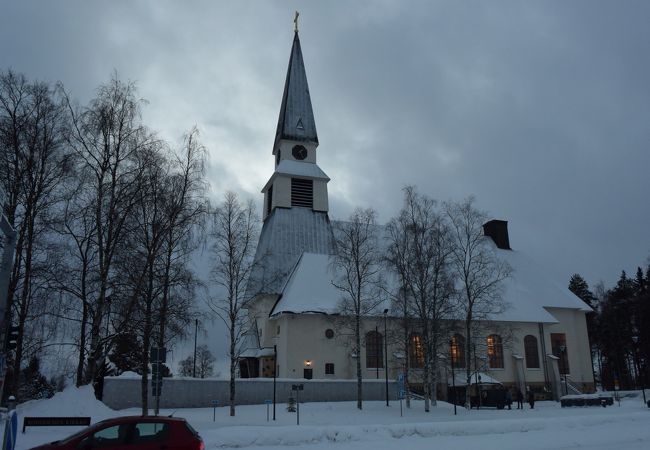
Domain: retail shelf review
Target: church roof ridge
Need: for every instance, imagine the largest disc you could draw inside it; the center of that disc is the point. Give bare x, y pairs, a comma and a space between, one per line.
296, 121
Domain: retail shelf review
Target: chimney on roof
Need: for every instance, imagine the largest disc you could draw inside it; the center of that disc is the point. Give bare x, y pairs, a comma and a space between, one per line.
498, 231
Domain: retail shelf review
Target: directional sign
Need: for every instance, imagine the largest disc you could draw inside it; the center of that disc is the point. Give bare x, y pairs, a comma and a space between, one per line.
268, 402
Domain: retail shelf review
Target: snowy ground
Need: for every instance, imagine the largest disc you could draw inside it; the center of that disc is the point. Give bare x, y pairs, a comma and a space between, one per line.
341, 426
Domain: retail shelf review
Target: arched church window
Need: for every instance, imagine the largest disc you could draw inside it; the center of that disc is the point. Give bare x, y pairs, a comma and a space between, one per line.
495, 351
374, 350
457, 350
416, 351
530, 350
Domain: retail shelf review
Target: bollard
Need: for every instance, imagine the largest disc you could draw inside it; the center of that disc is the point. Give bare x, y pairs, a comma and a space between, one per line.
215, 403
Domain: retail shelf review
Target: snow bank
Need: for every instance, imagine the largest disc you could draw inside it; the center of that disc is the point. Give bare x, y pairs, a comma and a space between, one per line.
72, 401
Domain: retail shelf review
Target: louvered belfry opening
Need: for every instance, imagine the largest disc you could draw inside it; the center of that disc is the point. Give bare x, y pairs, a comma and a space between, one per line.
302, 192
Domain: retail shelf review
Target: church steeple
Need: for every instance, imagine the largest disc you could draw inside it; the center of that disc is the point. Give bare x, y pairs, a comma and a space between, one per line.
296, 121
297, 181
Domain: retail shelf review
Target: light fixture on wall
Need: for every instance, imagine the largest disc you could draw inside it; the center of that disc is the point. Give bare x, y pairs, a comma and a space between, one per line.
308, 363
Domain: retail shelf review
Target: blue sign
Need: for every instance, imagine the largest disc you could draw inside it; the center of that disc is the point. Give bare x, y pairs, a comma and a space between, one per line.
400, 378
215, 402
402, 393
11, 431
268, 402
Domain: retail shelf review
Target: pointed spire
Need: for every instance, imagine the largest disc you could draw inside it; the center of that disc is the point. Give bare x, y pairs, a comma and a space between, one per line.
296, 121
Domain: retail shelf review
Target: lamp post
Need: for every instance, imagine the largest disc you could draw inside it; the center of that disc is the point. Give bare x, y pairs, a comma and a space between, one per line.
563, 356
478, 381
275, 374
638, 367
386, 351
196, 332
453, 374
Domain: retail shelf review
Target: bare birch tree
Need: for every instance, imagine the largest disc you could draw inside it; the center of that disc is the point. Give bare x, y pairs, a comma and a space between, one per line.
420, 251
33, 165
234, 234
357, 264
478, 271
106, 137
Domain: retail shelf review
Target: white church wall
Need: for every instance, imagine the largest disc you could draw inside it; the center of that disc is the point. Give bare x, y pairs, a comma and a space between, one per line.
282, 192
573, 324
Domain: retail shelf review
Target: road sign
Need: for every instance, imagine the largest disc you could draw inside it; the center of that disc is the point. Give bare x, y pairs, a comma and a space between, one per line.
297, 387
402, 393
158, 354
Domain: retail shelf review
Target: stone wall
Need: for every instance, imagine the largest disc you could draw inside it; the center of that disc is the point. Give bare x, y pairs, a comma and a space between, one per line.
121, 393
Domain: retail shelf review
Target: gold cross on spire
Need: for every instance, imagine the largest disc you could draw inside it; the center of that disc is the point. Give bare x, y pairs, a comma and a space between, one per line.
295, 21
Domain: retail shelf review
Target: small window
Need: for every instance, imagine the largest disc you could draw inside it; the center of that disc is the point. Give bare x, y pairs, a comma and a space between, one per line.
278, 330
329, 368
329, 333
308, 373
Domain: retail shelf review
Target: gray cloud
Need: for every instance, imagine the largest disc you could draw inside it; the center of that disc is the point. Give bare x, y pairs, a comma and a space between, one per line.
540, 109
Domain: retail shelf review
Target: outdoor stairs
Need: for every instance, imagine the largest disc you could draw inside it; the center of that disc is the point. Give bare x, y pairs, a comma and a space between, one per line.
570, 387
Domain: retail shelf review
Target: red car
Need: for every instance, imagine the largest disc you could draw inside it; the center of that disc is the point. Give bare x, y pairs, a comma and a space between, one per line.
132, 432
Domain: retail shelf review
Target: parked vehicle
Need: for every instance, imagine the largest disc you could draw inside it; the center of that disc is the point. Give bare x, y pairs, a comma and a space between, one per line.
132, 432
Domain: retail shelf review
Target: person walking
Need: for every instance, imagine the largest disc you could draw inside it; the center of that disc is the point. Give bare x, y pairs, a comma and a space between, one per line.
520, 399
509, 398
531, 398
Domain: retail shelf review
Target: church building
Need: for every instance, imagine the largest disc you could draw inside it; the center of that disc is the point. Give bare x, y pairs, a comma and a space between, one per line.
293, 301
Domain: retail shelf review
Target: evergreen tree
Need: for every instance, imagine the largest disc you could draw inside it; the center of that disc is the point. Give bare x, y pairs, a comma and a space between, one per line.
579, 287
126, 355
615, 331
33, 384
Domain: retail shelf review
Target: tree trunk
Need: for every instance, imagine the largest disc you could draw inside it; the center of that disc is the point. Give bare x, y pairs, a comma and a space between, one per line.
82, 345
233, 366
357, 337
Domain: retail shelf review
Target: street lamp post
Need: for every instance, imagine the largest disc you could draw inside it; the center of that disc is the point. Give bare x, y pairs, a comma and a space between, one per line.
563, 356
386, 351
275, 374
638, 368
453, 374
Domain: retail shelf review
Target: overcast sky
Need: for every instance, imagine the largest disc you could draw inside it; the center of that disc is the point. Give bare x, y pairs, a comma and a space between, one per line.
539, 108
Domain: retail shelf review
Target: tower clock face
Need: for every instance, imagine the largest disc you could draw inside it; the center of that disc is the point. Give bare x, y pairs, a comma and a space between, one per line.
299, 152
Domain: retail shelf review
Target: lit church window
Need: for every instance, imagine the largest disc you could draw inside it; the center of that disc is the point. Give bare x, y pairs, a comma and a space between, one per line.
416, 351
495, 351
458, 350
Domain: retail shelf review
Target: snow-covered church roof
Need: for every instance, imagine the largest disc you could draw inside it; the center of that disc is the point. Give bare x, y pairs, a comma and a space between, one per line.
286, 234
528, 292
